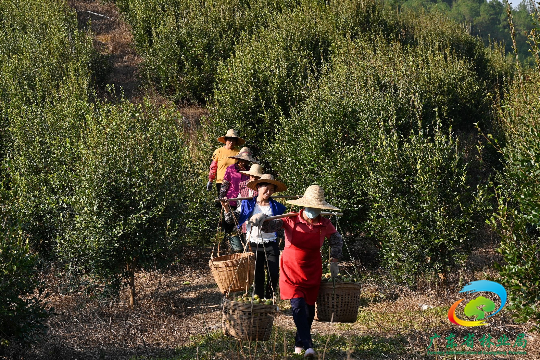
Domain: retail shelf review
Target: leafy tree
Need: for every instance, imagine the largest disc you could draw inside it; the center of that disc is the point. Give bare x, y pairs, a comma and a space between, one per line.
131, 196
44, 63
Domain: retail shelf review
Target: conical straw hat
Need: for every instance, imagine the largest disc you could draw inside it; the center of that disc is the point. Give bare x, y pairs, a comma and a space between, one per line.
267, 178
245, 154
254, 170
313, 198
231, 133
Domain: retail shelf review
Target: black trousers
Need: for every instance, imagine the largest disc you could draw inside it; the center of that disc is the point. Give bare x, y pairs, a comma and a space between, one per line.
303, 315
266, 257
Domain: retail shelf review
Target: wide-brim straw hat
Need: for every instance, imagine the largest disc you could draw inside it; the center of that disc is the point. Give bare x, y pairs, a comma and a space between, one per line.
231, 133
254, 170
245, 154
267, 178
313, 198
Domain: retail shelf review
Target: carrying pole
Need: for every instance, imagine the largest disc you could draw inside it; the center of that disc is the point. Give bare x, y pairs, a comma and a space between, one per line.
294, 214
251, 197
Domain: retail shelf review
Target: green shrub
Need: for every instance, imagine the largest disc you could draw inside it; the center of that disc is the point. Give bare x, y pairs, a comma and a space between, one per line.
41, 50
22, 310
518, 215
183, 41
44, 153
381, 152
130, 203
43, 67
269, 73
449, 74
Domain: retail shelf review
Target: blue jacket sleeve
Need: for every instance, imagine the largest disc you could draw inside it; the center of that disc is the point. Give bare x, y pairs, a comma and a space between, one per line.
247, 209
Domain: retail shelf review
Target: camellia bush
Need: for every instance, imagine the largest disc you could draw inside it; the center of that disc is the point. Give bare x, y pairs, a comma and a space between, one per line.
183, 41
393, 166
130, 206
274, 71
22, 310
518, 193
44, 62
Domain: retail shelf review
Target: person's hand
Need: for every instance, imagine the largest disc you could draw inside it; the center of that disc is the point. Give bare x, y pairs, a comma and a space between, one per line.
209, 186
257, 219
334, 269
225, 205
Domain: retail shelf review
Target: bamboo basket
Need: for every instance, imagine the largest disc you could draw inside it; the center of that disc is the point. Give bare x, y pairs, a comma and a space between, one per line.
246, 321
344, 303
233, 272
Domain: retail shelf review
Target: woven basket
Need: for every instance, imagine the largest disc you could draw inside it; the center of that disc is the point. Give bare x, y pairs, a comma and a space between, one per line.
233, 272
246, 321
344, 303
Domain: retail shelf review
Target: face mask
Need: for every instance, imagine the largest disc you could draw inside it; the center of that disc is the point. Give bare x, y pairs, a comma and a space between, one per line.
312, 213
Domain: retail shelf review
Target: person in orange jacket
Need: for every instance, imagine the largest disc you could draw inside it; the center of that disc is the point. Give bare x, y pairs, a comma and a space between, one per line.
221, 159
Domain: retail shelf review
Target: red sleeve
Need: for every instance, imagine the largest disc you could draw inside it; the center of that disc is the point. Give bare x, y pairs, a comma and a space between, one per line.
213, 171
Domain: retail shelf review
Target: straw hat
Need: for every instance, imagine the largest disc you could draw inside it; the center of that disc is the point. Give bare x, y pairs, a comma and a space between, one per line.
313, 198
254, 170
267, 178
231, 133
245, 154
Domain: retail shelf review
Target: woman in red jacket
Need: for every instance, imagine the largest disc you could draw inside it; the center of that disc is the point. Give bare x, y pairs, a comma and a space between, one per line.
301, 262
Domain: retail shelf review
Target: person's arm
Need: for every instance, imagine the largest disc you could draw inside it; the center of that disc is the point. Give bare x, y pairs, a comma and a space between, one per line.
272, 225
213, 171
213, 166
231, 217
225, 183
224, 189
336, 245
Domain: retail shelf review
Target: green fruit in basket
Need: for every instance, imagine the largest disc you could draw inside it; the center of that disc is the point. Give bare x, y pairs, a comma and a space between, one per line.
268, 302
239, 299
256, 301
256, 297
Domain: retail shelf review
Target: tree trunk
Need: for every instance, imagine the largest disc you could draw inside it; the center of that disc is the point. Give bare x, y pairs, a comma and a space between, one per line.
131, 284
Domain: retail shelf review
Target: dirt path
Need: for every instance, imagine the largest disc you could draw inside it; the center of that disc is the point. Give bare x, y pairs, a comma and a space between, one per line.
112, 38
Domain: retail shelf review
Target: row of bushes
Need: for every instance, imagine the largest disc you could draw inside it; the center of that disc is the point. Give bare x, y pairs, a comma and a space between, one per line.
381, 145
183, 41
103, 189
373, 117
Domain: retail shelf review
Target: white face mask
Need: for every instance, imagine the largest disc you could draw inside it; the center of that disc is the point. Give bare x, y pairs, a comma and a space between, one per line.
312, 213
